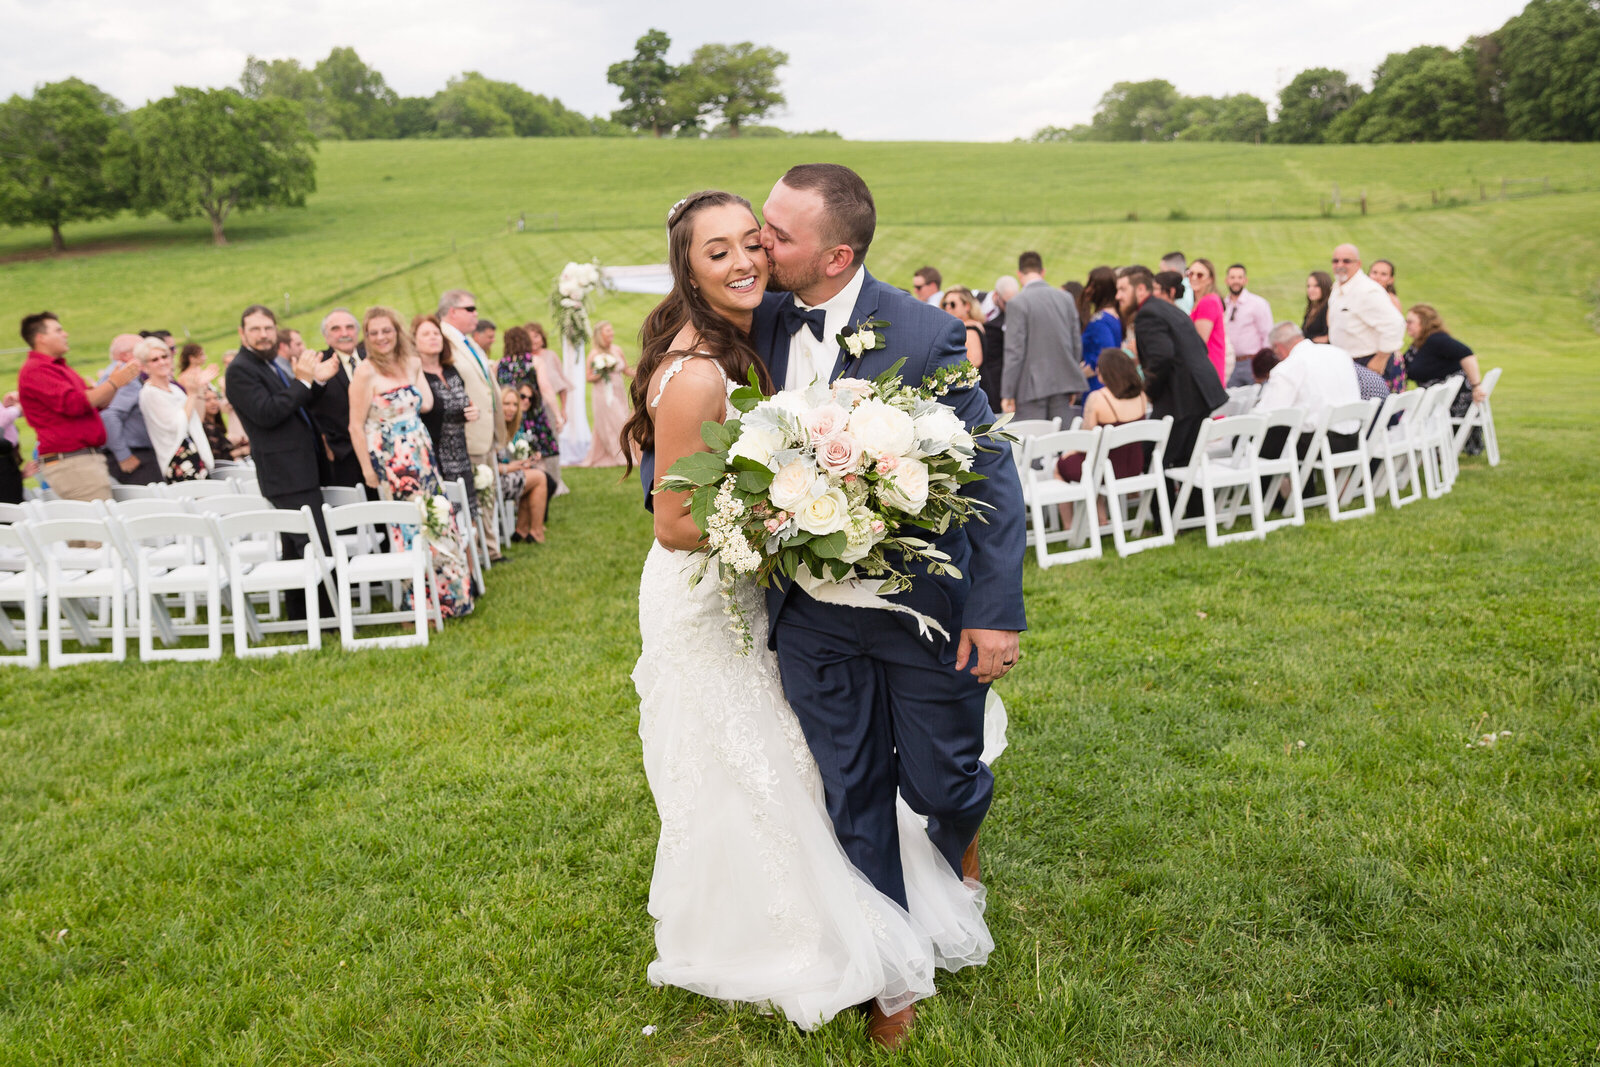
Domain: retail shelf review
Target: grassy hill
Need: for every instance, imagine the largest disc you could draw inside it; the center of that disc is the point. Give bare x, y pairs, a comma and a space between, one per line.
443, 856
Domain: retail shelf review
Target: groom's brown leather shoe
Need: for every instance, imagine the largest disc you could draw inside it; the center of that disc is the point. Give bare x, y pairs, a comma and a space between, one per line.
889, 1031
969, 861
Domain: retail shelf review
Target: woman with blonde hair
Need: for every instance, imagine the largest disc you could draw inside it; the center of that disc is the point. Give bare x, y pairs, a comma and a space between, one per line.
522, 478
173, 416
610, 397
388, 394
959, 301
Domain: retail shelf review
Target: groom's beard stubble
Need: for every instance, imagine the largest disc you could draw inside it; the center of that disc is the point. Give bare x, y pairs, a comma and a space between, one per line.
795, 281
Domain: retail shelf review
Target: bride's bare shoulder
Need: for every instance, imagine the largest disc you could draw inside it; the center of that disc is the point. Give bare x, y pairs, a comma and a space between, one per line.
684, 379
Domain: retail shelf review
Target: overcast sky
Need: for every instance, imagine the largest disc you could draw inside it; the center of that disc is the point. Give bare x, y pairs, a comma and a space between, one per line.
937, 70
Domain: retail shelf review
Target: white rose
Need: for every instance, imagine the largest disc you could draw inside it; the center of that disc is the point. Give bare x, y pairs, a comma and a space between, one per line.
796, 484
907, 487
826, 514
757, 444
937, 429
855, 345
859, 536
881, 429
791, 400
824, 421
839, 454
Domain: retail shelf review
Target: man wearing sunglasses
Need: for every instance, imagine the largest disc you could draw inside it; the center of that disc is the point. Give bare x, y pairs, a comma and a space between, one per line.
458, 313
1362, 319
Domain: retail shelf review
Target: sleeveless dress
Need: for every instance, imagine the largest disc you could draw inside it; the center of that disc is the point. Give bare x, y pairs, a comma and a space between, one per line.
399, 447
753, 898
610, 399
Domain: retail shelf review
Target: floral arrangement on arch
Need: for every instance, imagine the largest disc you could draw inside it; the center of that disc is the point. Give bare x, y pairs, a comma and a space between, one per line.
834, 484
572, 301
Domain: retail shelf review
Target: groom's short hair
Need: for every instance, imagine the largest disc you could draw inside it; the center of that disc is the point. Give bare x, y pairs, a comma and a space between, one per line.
851, 216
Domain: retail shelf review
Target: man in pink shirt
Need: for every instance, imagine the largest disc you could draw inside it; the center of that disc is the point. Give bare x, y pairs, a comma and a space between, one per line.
1249, 319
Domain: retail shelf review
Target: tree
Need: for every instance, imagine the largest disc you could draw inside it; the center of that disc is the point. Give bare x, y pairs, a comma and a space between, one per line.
214, 151
1310, 102
475, 106
1550, 71
646, 82
1230, 118
740, 82
1138, 111
358, 104
288, 80
55, 166
1426, 94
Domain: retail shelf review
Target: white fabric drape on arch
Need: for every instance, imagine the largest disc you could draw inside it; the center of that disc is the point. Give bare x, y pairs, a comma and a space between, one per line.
575, 436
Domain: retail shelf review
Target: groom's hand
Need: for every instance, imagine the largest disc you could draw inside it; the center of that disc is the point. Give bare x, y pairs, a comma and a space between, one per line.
991, 652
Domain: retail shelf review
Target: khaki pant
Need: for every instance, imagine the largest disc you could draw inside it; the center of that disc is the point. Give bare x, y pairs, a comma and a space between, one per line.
491, 524
83, 477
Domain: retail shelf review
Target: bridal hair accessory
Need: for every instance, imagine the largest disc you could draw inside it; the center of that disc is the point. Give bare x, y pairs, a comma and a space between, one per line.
673, 210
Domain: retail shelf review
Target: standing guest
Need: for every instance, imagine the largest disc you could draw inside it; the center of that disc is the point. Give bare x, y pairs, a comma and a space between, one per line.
1208, 315
458, 317
271, 405
1249, 323
1175, 262
1313, 378
446, 420
1122, 400
1044, 347
959, 301
133, 461
994, 338
290, 345
1169, 286
1179, 378
191, 358
218, 435
1102, 326
1434, 355
173, 415
925, 285
10, 450
610, 400
1363, 321
483, 335
1074, 289
387, 395
1382, 272
521, 477
1314, 324
330, 404
554, 376
64, 411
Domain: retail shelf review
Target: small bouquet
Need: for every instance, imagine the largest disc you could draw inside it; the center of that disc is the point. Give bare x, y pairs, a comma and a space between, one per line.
521, 449
483, 480
605, 365
833, 485
437, 526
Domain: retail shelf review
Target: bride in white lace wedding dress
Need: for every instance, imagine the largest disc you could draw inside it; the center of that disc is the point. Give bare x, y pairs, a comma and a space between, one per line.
753, 898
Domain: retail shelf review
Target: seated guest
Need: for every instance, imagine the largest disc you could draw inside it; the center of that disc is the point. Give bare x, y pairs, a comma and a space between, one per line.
521, 477
1262, 362
172, 416
1310, 377
1434, 355
1102, 326
1121, 401
215, 426
1382, 272
959, 301
1314, 323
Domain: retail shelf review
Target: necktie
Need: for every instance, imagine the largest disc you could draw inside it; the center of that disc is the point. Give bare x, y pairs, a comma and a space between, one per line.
478, 357
300, 410
795, 317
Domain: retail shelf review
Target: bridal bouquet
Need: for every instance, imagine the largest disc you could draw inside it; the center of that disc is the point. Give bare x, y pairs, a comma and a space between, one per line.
836, 486
573, 299
605, 365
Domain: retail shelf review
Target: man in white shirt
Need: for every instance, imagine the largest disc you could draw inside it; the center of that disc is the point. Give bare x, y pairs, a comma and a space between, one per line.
1249, 320
1313, 378
1362, 319
927, 285
458, 313
811, 357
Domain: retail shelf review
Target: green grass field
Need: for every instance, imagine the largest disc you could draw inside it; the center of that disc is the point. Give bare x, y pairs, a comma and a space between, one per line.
443, 856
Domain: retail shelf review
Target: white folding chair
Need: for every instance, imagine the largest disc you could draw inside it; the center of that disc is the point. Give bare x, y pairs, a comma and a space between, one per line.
1139, 492
253, 548
1022, 429
197, 578
203, 487
358, 543
65, 582
1481, 417
398, 565
1043, 494
136, 492
1285, 468
244, 482
1343, 472
274, 575
23, 585
1397, 447
12, 559
1241, 399
470, 529
1224, 460
1438, 439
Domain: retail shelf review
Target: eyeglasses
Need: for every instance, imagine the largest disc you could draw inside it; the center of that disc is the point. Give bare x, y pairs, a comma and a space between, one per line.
1337, 260
466, 307
950, 305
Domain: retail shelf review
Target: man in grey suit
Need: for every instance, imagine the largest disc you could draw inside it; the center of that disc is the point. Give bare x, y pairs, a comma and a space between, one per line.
1044, 348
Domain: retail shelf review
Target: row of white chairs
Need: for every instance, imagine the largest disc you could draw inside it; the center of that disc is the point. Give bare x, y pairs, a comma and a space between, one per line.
1405, 446
220, 554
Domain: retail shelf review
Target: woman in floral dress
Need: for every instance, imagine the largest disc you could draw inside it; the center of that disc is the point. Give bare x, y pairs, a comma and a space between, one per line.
388, 394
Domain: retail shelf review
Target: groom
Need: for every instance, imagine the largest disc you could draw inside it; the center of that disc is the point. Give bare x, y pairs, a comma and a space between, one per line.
882, 707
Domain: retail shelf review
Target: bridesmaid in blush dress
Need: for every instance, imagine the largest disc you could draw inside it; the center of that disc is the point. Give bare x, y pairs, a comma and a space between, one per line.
610, 400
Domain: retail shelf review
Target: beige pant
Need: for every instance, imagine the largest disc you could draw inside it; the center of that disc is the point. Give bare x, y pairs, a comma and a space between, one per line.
491, 527
84, 477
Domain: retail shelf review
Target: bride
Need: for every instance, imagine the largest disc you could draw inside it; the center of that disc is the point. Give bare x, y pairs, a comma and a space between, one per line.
752, 896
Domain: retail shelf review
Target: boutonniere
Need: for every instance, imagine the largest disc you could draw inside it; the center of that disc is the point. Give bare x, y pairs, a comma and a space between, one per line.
862, 337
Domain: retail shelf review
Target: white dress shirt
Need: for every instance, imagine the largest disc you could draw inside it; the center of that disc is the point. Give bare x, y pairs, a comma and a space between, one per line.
811, 360
1313, 378
1362, 319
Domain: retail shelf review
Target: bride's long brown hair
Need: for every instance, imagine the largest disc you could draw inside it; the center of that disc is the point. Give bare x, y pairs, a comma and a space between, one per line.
723, 341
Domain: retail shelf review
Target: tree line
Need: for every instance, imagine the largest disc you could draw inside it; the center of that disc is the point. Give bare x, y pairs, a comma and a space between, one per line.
1537, 78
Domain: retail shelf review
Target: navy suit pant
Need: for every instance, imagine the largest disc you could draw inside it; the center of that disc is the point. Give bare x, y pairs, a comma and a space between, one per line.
880, 713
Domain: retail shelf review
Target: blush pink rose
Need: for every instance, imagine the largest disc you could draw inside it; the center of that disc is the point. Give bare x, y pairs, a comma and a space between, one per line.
840, 454
823, 421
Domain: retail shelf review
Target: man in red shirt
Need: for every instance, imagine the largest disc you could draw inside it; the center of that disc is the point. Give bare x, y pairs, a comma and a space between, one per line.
64, 411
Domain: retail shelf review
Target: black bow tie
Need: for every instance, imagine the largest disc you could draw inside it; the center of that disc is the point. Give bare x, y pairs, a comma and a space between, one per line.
796, 317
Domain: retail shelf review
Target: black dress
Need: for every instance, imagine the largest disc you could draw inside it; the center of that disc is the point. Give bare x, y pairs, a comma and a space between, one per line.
1316, 324
447, 426
1436, 359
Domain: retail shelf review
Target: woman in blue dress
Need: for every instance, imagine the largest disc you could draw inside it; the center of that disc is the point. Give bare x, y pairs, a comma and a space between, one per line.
1102, 326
